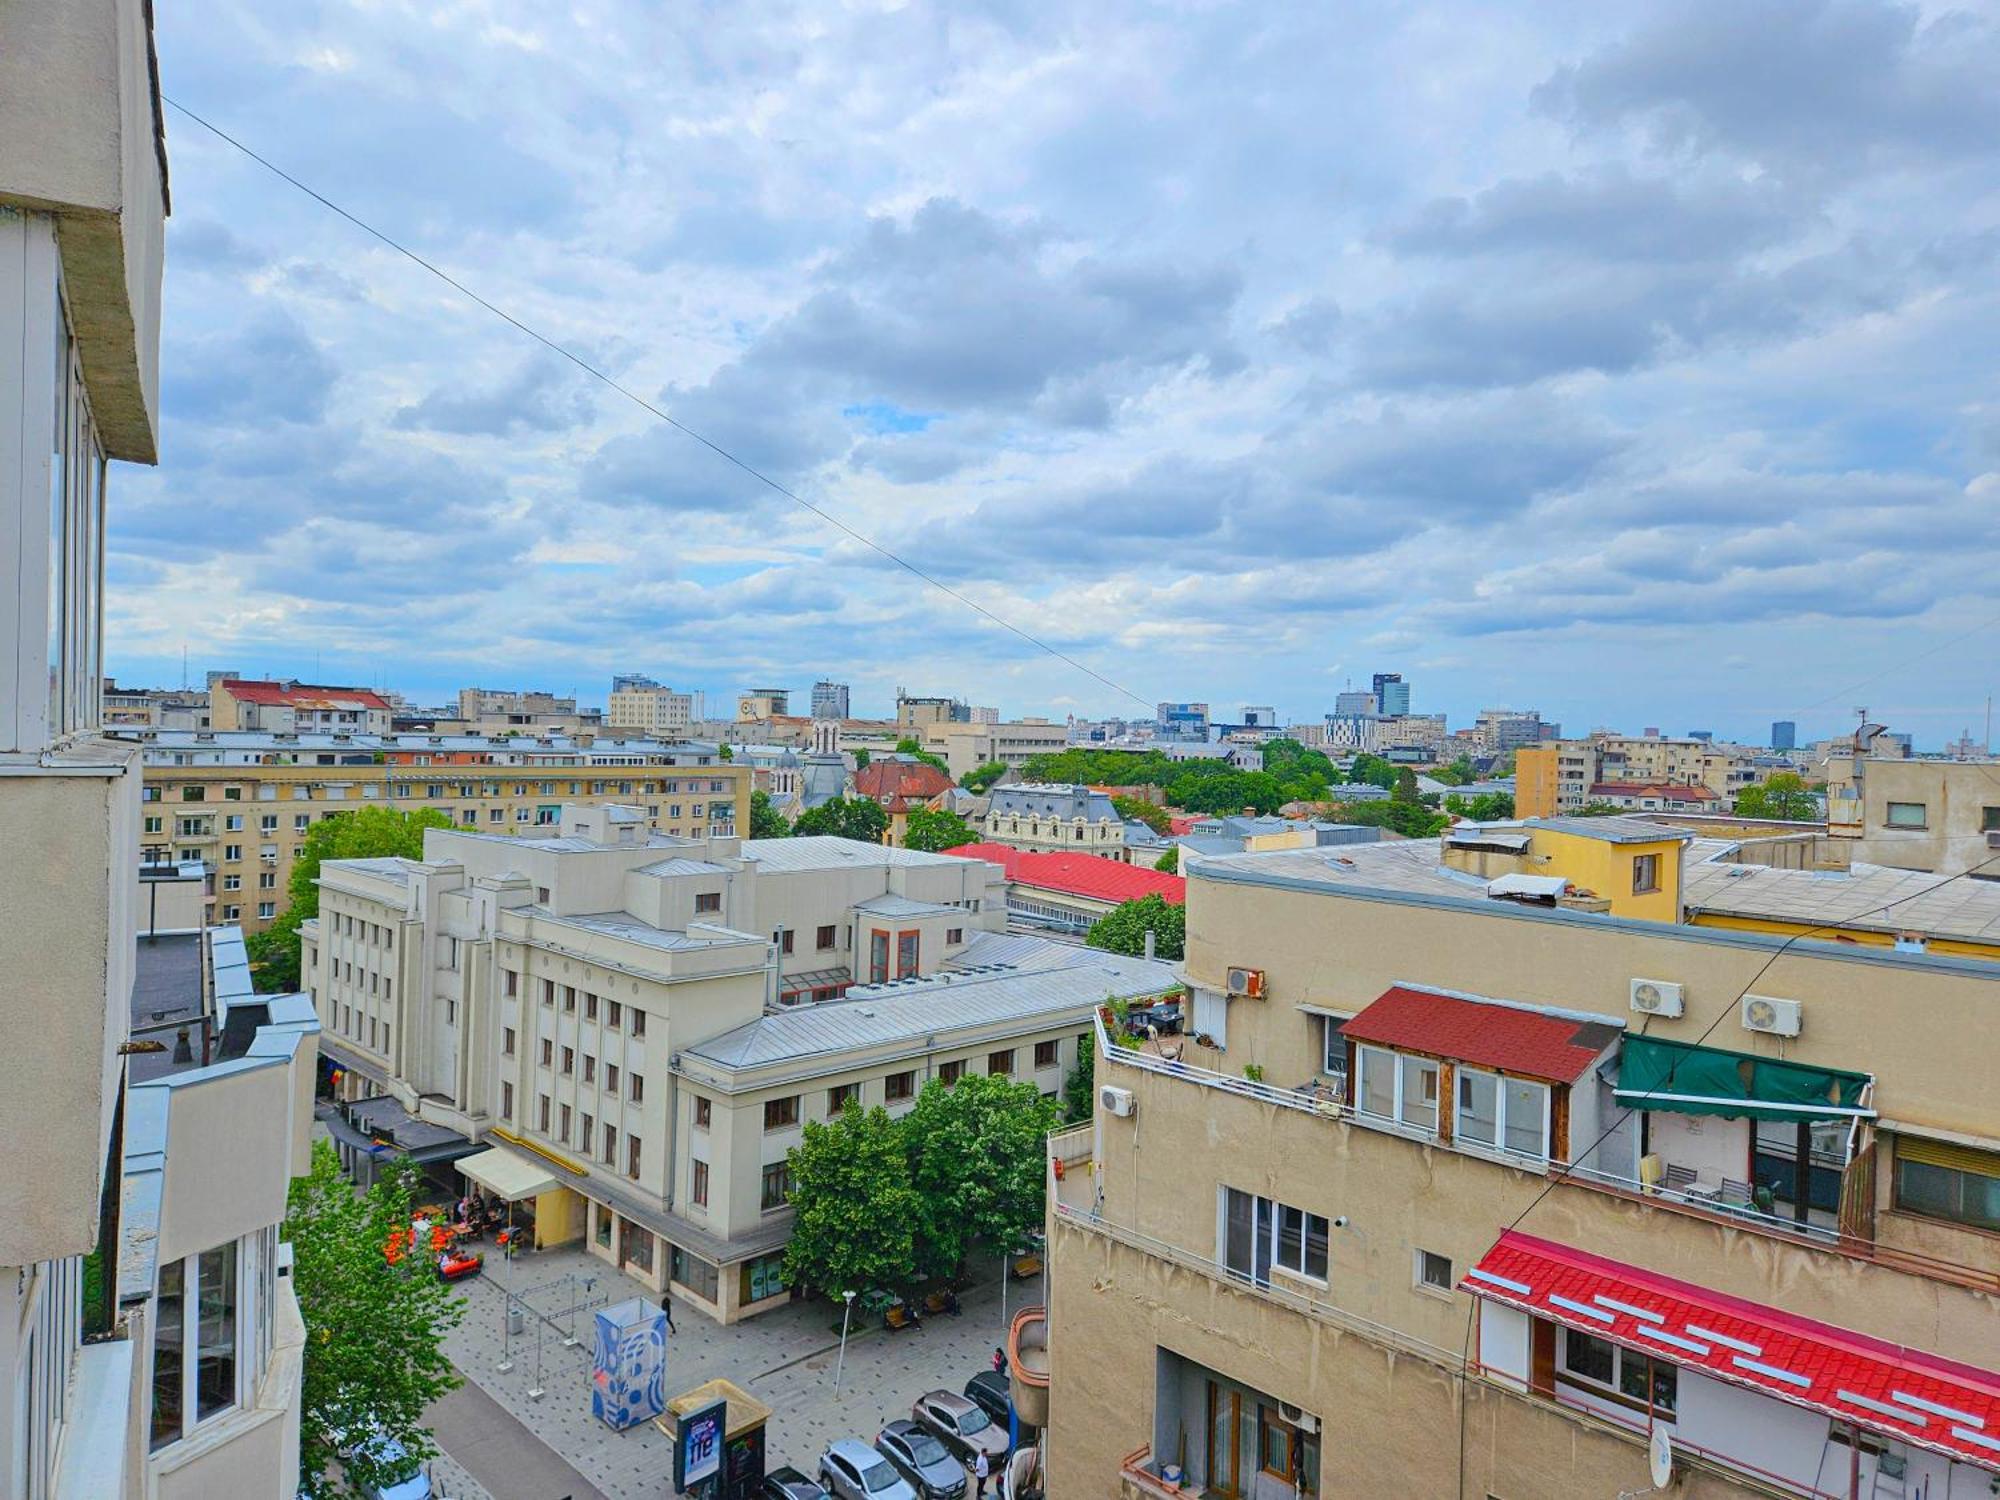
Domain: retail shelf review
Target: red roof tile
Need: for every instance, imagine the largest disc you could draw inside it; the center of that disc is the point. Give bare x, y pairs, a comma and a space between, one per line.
301, 694
1956, 1407
884, 779
1666, 791
1079, 874
1482, 1033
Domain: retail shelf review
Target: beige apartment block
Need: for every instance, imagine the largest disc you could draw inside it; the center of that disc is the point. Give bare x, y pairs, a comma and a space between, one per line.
635, 1026
1942, 817
655, 711
245, 822
966, 747
1451, 1194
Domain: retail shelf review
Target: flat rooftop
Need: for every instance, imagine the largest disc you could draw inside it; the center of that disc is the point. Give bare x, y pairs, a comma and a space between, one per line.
1871, 898
823, 852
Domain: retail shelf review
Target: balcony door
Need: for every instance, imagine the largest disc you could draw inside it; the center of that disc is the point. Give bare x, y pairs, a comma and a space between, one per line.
1226, 1469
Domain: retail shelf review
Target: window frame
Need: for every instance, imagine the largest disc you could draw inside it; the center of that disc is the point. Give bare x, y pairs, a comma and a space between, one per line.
1890, 820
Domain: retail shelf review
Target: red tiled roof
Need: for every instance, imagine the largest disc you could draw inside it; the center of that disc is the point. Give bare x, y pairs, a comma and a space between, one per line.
1181, 824
1934, 1403
1668, 791
301, 694
1079, 874
886, 779
1481, 1033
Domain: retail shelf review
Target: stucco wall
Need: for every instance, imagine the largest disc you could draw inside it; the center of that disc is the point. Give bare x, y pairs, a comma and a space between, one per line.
240, 1119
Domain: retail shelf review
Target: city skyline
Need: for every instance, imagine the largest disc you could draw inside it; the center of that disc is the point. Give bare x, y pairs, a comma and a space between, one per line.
1599, 371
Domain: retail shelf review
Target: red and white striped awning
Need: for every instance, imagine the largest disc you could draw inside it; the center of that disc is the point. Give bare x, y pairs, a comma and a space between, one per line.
1904, 1393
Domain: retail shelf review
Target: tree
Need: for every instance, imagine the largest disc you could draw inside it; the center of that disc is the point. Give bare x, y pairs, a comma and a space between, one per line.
1123, 928
854, 1208
861, 760
844, 818
374, 1350
980, 779
937, 829
1458, 773
1597, 810
725, 754
1080, 1088
1411, 819
1485, 808
1784, 797
1373, 770
1138, 810
976, 1161
910, 746
1405, 789
1170, 862
766, 822
364, 833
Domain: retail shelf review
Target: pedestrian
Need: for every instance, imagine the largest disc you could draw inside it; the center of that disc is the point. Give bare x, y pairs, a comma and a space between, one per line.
667, 1307
980, 1469
999, 1359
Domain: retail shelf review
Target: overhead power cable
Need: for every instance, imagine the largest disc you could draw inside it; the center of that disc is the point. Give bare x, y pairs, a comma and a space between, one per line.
667, 417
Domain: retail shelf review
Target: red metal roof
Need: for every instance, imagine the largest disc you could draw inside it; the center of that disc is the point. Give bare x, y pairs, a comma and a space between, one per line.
1482, 1033
1666, 791
1935, 1403
301, 694
885, 779
1080, 874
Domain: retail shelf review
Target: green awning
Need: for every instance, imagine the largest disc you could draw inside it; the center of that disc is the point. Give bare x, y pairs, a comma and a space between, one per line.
1654, 1073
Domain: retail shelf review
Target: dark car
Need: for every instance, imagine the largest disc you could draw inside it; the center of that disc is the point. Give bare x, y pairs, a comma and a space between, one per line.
788, 1483
923, 1460
960, 1425
988, 1390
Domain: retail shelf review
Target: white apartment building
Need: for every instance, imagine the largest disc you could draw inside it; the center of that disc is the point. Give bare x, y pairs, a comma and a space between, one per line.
548, 998
650, 709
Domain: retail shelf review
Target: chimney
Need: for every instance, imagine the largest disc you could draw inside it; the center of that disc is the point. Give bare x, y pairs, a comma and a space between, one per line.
1149, 942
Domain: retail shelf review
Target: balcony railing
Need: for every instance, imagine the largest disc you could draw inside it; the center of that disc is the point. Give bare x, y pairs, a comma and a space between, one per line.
1317, 1100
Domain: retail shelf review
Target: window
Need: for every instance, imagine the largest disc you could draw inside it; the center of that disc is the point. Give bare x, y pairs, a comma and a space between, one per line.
1989, 820
584, 1134
506, 1101
638, 1023
1046, 1054
611, 1077
215, 1355
954, 935
1509, 1114
704, 1111
840, 1096
507, 1042
614, 1014
301, 822
763, 1277
194, 794
781, 1114
232, 882
511, 980
1395, 1086
1434, 1271
569, 998
826, 938
233, 823
1642, 1381
1948, 1182
169, 1331
1000, 1062
569, 1061
232, 852
548, 992
632, 1157
268, 823
267, 880
562, 1128
548, 1053
543, 1114
777, 1187
542, 895
699, 1191
900, 1086
699, 1276
908, 945
1906, 815
267, 909
951, 1072
878, 957
637, 1091
1258, 1233
1645, 873
589, 1007
601, 1226
155, 825
589, 1068
707, 901
783, 938
610, 1144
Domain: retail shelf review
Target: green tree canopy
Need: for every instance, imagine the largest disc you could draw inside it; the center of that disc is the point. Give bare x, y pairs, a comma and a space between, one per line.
1784, 797
937, 829
1080, 1088
1205, 785
976, 1162
1123, 928
861, 760
364, 833
1170, 862
1137, 809
374, 1350
855, 1209
765, 820
844, 818
1373, 770
1405, 789
1458, 773
1597, 810
911, 746
1484, 808
1412, 820
1303, 774
980, 779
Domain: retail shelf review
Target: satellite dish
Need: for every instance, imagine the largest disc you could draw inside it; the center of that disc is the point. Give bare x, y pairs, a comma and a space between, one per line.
1660, 1457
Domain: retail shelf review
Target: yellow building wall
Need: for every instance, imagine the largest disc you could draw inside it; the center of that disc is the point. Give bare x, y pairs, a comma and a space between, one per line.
1535, 781
1606, 868
1859, 936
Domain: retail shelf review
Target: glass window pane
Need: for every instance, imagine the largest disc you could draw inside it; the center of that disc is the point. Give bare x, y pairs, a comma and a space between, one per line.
1478, 1107
1316, 1246
1587, 1356
1291, 1237
1420, 1092
1378, 1082
1526, 1103
215, 1373
1632, 1375
167, 1348
1239, 1211
1927, 1189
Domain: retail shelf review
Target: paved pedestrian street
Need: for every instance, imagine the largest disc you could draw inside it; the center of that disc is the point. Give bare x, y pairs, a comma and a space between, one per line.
785, 1358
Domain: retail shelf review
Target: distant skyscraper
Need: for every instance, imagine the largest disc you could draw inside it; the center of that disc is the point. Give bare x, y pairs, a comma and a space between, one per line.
1352, 702
1392, 694
626, 682
829, 700
1182, 721
1258, 716
1784, 735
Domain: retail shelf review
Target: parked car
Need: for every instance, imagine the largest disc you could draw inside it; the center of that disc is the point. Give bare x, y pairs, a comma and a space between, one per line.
988, 1391
851, 1470
788, 1483
960, 1425
920, 1458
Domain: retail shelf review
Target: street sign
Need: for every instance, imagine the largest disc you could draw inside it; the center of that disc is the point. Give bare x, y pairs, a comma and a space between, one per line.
698, 1445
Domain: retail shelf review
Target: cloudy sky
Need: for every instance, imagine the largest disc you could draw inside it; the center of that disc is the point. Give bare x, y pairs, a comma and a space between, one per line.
1633, 363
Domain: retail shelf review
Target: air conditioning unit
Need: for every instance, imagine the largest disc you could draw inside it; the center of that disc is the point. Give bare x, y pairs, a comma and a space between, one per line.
1305, 1421
1656, 997
1248, 983
1117, 1101
1778, 1017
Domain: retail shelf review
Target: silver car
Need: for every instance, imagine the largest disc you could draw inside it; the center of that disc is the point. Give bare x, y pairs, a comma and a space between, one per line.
851, 1470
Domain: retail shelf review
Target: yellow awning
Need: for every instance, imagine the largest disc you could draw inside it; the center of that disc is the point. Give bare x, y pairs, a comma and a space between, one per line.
509, 1175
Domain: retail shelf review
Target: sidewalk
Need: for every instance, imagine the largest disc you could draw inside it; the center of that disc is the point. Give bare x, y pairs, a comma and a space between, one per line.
785, 1358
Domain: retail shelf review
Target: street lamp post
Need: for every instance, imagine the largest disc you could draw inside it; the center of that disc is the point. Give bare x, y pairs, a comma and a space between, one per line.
840, 1364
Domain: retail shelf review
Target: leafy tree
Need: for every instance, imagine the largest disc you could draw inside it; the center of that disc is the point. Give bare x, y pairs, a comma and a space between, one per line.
1123, 928
855, 1209
937, 829
1411, 819
909, 746
844, 818
861, 760
1784, 797
1373, 770
1304, 774
1458, 773
1598, 810
725, 754
981, 779
374, 1355
1170, 862
1405, 789
1484, 808
976, 1161
1137, 809
1080, 1088
364, 833
766, 822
